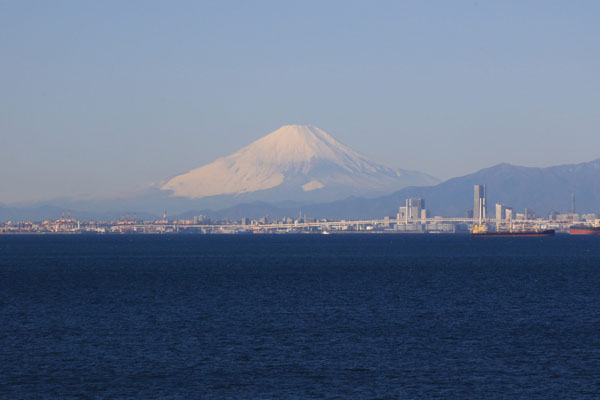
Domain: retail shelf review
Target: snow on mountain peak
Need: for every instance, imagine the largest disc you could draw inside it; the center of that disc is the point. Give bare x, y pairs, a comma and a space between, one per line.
302, 156
298, 143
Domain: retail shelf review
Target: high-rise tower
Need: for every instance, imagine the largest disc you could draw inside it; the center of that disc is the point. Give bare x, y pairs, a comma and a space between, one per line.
479, 202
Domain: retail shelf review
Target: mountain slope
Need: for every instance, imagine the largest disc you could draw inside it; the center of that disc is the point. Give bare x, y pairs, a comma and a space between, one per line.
300, 162
541, 189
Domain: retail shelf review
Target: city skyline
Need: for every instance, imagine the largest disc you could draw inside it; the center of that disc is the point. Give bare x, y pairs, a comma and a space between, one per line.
412, 218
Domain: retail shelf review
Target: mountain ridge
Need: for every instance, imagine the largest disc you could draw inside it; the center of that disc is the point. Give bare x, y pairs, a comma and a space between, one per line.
297, 158
542, 189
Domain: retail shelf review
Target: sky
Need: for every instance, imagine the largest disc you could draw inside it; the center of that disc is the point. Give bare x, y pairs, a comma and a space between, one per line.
105, 97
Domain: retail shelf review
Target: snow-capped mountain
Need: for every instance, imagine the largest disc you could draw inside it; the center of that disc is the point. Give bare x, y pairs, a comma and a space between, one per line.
295, 162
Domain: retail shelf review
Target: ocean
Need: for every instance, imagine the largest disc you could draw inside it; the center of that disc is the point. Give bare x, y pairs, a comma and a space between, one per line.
299, 317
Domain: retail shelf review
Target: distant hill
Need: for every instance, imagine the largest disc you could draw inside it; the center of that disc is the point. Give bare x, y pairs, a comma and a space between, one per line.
40, 212
540, 189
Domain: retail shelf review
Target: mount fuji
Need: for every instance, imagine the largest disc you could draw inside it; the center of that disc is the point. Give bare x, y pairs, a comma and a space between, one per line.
293, 163
294, 166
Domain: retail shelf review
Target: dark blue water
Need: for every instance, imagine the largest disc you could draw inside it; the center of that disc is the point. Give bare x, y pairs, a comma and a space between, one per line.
299, 317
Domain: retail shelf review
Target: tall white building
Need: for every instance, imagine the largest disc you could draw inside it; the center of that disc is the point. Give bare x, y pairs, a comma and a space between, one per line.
479, 202
500, 212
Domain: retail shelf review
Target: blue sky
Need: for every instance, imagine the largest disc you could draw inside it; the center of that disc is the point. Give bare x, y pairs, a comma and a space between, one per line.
102, 97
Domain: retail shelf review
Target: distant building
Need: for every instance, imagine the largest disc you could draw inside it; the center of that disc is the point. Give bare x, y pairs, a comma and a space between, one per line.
529, 214
410, 228
589, 217
520, 216
414, 209
567, 217
500, 212
509, 214
479, 202
200, 219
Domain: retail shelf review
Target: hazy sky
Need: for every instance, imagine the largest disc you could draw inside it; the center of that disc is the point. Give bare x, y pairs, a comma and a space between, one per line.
102, 96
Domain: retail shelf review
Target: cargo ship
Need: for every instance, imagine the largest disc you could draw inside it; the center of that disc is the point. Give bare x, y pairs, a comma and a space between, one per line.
481, 231
584, 230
